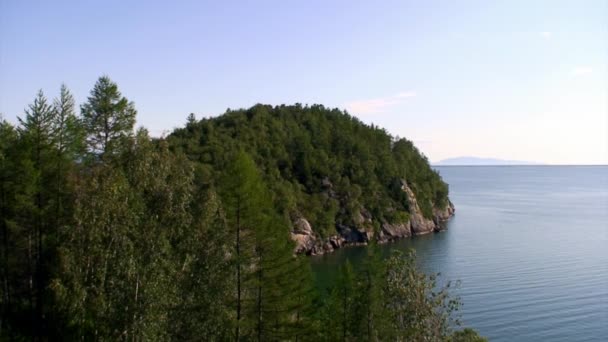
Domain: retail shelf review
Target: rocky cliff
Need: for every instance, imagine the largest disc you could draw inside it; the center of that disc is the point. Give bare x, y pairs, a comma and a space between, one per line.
307, 242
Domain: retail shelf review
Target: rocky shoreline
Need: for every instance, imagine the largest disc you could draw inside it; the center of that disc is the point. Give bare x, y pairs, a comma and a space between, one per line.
307, 242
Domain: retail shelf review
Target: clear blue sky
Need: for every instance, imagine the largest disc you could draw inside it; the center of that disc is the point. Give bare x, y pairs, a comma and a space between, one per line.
524, 80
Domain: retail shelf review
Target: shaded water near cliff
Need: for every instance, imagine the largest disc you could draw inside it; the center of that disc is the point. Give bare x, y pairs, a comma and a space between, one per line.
530, 245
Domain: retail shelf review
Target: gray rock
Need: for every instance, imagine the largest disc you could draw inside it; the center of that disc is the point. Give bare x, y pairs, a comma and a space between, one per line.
301, 226
420, 224
303, 236
308, 242
391, 232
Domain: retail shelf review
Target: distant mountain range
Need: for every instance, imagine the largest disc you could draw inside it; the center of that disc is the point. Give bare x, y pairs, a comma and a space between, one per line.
480, 161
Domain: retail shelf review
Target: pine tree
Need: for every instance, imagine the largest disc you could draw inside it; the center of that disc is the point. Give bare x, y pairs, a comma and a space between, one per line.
68, 148
338, 309
37, 144
368, 313
283, 284
108, 119
240, 193
191, 120
271, 286
68, 130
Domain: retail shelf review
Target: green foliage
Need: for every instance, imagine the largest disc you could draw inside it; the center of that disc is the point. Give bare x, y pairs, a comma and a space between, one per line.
205, 277
338, 311
388, 300
110, 235
271, 286
368, 313
108, 118
319, 163
417, 309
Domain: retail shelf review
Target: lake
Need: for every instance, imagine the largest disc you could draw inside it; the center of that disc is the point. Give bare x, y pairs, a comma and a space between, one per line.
529, 245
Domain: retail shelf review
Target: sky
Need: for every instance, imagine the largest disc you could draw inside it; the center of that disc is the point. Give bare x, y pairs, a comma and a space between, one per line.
517, 80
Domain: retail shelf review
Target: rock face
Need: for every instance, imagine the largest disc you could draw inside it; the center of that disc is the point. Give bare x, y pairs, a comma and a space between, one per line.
445, 214
392, 232
307, 242
303, 236
420, 224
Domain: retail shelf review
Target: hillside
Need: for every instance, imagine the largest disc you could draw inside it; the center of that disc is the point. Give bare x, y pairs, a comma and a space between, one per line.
333, 178
108, 234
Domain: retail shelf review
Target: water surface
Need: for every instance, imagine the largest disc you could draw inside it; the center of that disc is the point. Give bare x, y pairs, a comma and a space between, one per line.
530, 246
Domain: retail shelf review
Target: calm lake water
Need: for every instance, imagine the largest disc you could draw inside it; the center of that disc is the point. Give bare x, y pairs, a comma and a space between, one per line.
530, 246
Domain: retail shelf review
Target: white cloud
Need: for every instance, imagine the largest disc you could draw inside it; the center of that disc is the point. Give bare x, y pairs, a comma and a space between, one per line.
581, 70
546, 34
377, 105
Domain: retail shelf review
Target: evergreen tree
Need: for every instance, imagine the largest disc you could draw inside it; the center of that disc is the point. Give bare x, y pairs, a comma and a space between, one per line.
368, 314
191, 120
283, 284
68, 131
68, 144
271, 286
138, 246
34, 217
240, 193
108, 118
338, 316
329, 179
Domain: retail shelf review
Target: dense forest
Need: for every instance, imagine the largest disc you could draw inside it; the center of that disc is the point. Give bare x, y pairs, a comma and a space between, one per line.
109, 234
321, 165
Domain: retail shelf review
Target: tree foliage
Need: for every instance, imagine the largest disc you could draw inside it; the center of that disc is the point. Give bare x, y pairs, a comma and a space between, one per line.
110, 234
108, 118
318, 163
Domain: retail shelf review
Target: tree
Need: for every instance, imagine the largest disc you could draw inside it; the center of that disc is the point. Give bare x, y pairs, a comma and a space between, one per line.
8, 143
240, 193
108, 118
191, 120
123, 257
368, 312
337, 318
110, 235
205, 275
416, 309
34, 218
68, 130
283, 284
270, 284
311, 172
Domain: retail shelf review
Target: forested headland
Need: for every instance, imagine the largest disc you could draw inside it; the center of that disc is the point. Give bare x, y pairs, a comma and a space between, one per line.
334, 179
110, 234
